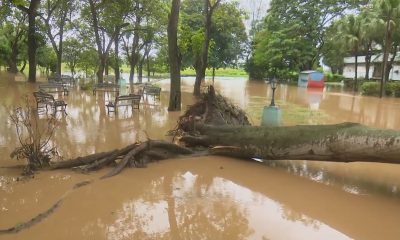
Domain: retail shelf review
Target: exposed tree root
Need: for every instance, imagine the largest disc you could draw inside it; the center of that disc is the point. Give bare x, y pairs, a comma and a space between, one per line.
17, 228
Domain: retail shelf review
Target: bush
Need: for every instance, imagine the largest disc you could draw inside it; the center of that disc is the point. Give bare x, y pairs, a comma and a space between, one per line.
334, 77
373, 89
392, 88
370, 88
349, 83
86, 86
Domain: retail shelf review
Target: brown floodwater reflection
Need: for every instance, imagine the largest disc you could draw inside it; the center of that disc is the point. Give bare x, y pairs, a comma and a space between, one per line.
207, 197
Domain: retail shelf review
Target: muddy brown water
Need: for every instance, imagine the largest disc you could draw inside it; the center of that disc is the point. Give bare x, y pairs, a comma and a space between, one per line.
207, 197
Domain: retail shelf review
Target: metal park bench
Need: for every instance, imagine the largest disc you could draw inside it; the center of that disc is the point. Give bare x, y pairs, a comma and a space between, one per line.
153, 91
54, 88
43, 100
106, 87
64, 79
131, 100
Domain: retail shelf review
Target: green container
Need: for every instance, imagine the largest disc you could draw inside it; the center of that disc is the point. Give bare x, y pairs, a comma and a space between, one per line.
271, 117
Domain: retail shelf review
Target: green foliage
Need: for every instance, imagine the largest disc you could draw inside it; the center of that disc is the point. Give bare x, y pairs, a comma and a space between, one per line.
370, 88
293, 34
373, 88
47, 58
88, 60
87, 86
71, 53
333, 77
228, 35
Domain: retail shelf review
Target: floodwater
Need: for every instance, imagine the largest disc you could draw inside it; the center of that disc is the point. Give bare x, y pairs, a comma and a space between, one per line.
206, 197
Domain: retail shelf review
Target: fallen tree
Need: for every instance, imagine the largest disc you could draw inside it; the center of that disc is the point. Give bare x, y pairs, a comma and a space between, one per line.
215, 126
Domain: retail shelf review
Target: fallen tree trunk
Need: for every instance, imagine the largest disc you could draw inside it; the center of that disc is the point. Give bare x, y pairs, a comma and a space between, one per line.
346, 142
215, 126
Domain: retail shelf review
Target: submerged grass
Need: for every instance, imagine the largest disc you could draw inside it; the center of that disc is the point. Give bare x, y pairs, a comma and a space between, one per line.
292, 114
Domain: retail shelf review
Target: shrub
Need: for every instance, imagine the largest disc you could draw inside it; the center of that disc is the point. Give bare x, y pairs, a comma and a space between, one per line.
85, 86
393, 88
373, 88
35, 136
370, 88
334, 77
349, 83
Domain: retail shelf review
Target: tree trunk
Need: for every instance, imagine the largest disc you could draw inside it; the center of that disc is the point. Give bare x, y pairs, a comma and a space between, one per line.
116, 50
32, 44
135, 45
12, 63
106, 66
368, 54
390, 62
346, 142
140, 70
23, 66
201, 72
174, 58
385, 59
148, 67
355, 87
100, 70
213, 75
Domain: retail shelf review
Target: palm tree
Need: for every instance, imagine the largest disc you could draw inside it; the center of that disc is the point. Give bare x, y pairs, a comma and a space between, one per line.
351, 33
389, 12
372, 28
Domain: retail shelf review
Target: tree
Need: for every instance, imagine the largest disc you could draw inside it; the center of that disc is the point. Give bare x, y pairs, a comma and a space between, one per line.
31, 10
201, 60
228, 37
351, 32
389, 11
71, 53
55, 16
13, 41
174, 58
147, 20
47, 59
300, 25
225, 39
106, 20
333, 52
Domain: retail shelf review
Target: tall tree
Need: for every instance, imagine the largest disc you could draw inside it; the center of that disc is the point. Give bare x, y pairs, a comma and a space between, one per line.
13, 29
229, 38
31, 9
299, 25
201, 61
55, 15
106, 19
174, 58
389, 12
351, 32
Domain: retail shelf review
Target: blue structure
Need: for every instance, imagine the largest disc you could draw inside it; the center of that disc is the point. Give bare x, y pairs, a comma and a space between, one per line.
311, 79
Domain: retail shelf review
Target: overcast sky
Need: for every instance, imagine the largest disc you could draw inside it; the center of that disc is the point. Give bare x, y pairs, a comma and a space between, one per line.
256, 9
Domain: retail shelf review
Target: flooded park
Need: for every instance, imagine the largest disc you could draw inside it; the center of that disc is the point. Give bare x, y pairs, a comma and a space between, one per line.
205, 197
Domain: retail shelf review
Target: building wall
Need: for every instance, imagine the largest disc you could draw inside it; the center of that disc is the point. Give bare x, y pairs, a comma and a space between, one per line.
349, 71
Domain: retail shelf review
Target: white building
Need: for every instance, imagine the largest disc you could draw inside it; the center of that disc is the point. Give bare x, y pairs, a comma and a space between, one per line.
375, 69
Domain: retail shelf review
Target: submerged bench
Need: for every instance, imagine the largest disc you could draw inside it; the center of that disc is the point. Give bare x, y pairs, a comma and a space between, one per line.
43, 100
106, 87
132, 100
64, 79
153, 91
53, 88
